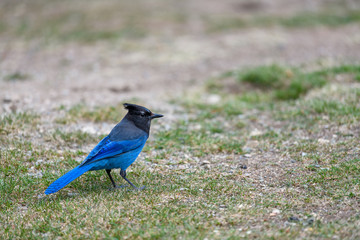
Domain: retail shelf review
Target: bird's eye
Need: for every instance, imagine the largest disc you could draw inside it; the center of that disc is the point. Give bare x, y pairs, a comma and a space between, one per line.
142, 114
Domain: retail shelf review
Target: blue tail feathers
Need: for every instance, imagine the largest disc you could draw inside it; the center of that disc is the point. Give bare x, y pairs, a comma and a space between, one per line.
67, 178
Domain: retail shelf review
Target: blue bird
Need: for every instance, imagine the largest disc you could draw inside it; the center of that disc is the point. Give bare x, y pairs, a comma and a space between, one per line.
117, 150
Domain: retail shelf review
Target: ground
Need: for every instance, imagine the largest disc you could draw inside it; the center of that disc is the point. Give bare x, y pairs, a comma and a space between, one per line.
260, 137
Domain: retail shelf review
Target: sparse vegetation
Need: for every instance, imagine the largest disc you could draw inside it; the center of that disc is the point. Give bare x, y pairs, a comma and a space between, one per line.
300, 20
267, 152
14, 122
16, 76
98, 114
279, 83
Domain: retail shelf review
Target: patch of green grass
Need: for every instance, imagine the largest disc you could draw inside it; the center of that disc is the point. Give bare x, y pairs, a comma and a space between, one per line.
77, 137
90, 36
15, 121
337, 181
185, 196
16, 76
333, 108
276, 82
265, 77
300, 20
199, 142
286, 83
18, 186
315, 19
317, 109
228, 107
97, 114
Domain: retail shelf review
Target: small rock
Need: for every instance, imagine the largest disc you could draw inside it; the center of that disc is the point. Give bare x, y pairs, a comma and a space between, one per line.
40, 196
201, 190
204, 163
293, 161
71, 194
22, 208
213, 99
182, 189
242, 166
222, 206
310, 221
89, 129
39, 162
247, 155
35, 175
274, 212
323, 141
247, 149
255, 132
293, 219
303, 154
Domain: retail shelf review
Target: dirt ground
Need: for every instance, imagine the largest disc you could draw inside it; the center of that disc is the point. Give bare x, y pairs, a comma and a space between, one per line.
159, 66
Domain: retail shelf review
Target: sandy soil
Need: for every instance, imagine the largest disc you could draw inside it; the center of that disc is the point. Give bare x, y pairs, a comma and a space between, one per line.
157, 70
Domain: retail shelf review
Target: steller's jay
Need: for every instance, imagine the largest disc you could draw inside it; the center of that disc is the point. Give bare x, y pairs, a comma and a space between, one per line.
117, 150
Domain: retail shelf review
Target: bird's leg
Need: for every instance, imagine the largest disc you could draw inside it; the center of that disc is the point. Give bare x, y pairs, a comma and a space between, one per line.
109, 174
123, 175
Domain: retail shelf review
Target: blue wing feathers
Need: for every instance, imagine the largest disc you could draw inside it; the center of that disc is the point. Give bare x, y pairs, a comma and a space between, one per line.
110, 149
98, 147
67, 178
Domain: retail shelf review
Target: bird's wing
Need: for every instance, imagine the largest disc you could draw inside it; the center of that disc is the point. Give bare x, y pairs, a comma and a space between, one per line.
97, 148
107, 148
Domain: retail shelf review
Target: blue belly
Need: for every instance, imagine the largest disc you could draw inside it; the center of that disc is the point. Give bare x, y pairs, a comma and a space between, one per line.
122, 161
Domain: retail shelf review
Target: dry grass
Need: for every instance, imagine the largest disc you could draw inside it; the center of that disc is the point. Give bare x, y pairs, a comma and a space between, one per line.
231, 159
301, 177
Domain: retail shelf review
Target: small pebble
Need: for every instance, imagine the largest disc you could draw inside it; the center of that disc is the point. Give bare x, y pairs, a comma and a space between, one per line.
242, 166
204, 163
274, 212
293, 219
247, 149
71, 194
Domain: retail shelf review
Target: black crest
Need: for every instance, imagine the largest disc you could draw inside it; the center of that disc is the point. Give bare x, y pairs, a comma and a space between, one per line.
137, 109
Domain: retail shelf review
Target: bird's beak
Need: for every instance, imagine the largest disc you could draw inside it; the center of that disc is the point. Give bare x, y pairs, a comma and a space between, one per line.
154, 115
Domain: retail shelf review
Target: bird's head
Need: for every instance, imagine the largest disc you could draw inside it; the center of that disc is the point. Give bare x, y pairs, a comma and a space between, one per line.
141, 116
